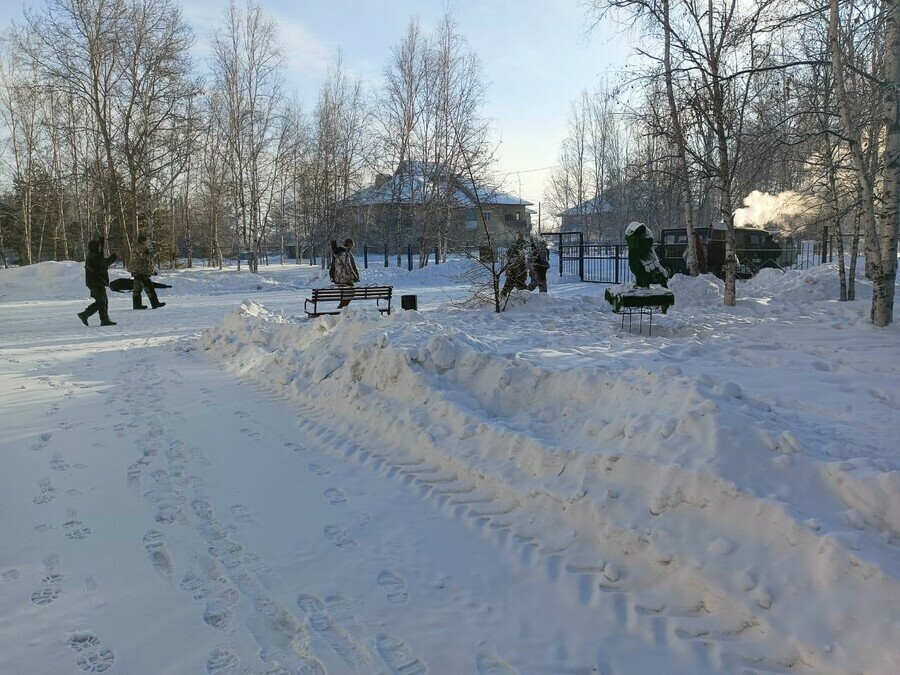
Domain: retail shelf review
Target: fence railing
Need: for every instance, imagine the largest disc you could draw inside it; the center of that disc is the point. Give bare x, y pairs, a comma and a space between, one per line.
595, 263
608, 263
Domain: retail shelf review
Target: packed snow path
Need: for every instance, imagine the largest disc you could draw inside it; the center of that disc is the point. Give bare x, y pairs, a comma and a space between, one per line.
168, 515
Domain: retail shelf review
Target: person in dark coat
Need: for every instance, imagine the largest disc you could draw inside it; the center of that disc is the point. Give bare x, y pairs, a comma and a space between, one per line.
343, 270
141, 267
516, 267
96, 278
540, 263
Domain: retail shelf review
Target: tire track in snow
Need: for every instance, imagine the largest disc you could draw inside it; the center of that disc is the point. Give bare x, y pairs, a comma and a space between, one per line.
714, 631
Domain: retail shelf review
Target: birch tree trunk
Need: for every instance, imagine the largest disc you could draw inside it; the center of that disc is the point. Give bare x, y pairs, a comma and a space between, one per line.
884, 283
881, 242
687, 200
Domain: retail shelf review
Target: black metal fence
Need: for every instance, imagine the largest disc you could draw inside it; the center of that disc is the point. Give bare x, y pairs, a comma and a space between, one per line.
608, 263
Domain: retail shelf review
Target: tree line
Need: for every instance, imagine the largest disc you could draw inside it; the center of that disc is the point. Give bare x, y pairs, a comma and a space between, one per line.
114, 130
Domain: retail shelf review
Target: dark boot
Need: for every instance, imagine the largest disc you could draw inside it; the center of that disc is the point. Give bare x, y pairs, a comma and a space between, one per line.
154, 300
84, 317
136, 302
105, 320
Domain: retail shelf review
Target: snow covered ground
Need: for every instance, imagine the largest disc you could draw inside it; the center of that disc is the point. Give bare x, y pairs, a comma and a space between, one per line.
226, 486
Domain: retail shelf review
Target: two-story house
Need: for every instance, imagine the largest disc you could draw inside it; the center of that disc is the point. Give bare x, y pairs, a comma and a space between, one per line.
421, 204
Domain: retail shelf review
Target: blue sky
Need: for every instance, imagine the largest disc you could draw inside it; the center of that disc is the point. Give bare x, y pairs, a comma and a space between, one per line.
535, 54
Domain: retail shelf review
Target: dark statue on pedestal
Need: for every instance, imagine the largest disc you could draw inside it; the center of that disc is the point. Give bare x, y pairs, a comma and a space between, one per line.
647, 270
642, 258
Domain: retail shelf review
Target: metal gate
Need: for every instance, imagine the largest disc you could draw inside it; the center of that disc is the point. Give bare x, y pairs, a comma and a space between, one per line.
597, 263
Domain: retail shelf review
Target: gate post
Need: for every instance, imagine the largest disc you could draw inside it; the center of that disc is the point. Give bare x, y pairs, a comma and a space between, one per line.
365, 256
560, 256
617, 262
581, 256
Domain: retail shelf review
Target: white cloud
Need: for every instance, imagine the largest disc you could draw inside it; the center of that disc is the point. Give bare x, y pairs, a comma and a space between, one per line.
304, 51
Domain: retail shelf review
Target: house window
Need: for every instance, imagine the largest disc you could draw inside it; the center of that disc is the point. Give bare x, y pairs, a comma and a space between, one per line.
517, 216
471, 219
488, 216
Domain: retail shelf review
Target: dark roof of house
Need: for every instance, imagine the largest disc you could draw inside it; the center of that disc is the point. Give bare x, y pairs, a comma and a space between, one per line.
596, 205
424, 182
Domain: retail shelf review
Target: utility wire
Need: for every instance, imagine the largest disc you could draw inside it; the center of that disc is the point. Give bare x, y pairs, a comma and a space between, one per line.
543, 168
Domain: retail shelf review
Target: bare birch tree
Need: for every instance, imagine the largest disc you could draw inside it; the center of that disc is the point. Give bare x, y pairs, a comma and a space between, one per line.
878, 207
248, 69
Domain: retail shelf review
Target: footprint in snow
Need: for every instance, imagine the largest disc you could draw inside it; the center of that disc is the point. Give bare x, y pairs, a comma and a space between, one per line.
47, 492
74, 530
396, 653
491, 664
350, 651
394, 586
160, 558
317, 470
242, 513
58, 463
167, 513
92, 657
335, 496
49, 588
43, 440
339, 537
222, 661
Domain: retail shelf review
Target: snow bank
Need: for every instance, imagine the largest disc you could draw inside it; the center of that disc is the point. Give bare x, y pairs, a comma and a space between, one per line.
684, 487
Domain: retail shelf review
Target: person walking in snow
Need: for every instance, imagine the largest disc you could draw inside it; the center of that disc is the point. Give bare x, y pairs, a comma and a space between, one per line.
96, 278
141, 267
540, 263
343, 271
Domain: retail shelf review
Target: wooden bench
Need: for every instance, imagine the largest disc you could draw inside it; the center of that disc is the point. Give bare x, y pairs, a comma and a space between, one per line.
339, 293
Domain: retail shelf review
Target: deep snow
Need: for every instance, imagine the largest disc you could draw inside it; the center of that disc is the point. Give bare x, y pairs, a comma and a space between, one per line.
227, 486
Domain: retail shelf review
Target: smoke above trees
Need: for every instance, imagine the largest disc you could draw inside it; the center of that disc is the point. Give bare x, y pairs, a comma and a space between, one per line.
787, 211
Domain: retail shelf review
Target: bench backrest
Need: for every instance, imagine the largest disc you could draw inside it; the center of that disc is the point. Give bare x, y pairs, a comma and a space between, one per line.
372, 292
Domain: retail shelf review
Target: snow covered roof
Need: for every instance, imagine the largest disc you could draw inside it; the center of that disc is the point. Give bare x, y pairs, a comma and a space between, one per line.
425, 182
596, 205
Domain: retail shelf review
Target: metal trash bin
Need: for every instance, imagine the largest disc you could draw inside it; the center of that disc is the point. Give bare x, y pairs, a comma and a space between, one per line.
409, 302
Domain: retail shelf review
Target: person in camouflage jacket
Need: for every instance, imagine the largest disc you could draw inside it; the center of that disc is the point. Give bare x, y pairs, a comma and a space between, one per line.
343, 270
96, 278
141, 267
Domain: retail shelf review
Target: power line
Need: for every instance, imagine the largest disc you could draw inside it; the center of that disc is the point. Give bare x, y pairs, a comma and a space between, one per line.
543, 168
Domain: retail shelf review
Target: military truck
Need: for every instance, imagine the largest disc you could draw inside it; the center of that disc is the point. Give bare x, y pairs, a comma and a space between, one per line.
755, 249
